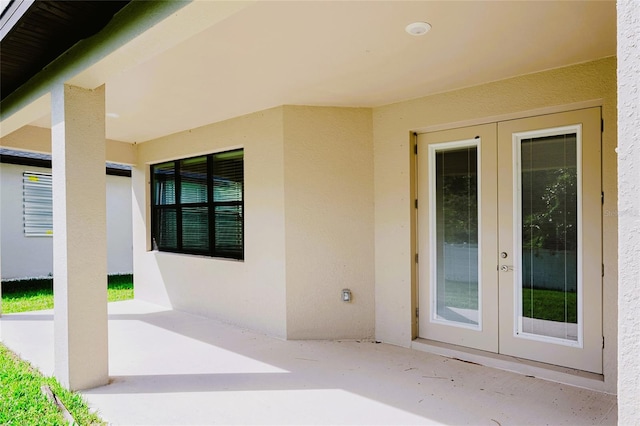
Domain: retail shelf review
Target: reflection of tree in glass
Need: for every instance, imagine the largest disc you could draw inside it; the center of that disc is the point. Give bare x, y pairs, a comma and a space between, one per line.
460, 205
550, 217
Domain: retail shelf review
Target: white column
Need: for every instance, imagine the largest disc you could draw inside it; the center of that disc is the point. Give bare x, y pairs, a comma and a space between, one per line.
79, 236
628, 212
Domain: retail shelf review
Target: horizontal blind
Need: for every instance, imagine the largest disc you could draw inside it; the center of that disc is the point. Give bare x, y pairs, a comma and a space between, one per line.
193, 180
228, 176
165, 183
228, 188
197, 205
37, 204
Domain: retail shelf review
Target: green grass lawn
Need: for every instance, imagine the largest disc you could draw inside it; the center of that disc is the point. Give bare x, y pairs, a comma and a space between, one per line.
460, 295
23, 403
35, 295
552, 305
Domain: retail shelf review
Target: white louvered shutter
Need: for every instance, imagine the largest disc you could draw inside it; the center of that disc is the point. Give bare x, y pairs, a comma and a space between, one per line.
37, 204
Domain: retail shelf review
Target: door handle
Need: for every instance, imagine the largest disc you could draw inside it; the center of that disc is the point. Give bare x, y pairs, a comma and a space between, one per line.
506, 268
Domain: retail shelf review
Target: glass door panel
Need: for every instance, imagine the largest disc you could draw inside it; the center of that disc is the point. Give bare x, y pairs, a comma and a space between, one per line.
548, 199
456, 234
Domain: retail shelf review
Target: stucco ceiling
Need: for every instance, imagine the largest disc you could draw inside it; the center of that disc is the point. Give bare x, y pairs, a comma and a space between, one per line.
347, 54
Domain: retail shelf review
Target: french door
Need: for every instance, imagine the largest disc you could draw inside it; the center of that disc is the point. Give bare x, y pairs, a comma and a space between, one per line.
510, 238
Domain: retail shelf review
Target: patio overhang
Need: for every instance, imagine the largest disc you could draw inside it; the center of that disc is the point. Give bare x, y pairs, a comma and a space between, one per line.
255, 55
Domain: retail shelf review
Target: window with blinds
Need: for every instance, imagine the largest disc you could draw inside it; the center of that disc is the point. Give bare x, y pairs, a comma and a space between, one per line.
37, 204
197, 205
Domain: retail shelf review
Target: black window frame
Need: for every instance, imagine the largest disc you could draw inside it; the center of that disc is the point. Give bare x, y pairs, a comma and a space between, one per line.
210, 204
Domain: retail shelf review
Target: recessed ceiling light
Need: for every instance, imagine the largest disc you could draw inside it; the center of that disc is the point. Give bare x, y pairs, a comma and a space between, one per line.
418, 28
113, 115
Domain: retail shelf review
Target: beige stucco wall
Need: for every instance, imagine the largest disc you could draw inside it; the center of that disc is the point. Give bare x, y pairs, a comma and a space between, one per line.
250, 293
629, 211
308, 225
328, 167
582, 85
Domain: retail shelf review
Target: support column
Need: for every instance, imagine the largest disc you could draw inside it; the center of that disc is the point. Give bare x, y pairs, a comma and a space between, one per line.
628, 212
79, 236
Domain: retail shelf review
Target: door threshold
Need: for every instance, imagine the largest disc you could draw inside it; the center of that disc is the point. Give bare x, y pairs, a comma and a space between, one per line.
554, 373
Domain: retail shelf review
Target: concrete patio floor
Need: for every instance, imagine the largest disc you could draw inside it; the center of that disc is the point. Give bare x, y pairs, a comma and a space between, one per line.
172, 368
